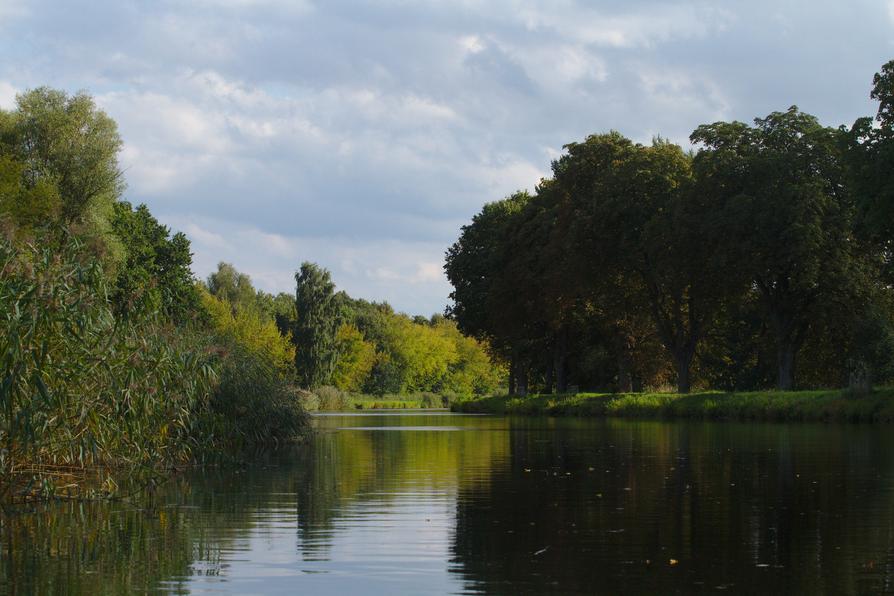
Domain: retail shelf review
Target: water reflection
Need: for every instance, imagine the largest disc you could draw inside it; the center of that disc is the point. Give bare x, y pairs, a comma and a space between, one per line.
655, 508
437, 503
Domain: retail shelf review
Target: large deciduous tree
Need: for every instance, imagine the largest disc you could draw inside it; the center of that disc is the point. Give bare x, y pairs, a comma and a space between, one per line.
232, 286
783, 177
67, 151
474, 265
871, 167
641, 238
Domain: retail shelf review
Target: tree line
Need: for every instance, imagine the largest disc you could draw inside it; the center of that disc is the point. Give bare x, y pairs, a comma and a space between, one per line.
117, 363
761, 257
358, 346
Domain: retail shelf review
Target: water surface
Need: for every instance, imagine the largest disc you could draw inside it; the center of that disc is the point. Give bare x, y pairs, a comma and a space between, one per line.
423, 502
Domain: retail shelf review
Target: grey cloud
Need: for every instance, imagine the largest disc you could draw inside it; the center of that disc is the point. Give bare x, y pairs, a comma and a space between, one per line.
387, 124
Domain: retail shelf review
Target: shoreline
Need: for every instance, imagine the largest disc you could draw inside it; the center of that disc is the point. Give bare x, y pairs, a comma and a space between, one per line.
780, 406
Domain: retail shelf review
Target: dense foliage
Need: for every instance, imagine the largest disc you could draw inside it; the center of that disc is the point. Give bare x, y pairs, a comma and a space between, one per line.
82, 393
118, 365
115, 366
635, 265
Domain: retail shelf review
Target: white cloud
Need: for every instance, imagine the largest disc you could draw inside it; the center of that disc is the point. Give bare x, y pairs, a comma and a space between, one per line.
406, 274
471, 44
204, 237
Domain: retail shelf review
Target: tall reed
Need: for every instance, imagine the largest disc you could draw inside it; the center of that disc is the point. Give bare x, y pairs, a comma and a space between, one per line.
87, 400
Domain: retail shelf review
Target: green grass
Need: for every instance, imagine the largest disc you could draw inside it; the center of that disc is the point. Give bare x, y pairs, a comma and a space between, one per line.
394, 401
369, 402
824, 405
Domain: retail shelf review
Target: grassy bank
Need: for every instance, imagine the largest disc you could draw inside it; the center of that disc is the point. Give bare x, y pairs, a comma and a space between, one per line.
826, 405
397, 402
330, 399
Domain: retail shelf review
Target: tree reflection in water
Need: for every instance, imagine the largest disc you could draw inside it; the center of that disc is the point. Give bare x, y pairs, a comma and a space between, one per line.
499, 506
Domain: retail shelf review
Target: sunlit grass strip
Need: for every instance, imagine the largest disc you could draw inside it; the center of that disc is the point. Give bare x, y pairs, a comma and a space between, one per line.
825, 405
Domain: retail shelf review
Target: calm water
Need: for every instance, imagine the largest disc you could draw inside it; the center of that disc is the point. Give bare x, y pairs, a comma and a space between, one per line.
440, 503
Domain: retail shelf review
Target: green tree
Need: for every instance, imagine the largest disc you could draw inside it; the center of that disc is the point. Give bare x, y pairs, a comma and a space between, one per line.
783, 181
871, 167
156, 271
356, 358
473, 266
640, 235
315, 329
232, 286
67, 150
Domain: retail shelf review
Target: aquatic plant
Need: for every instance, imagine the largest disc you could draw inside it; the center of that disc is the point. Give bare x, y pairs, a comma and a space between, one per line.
85, 396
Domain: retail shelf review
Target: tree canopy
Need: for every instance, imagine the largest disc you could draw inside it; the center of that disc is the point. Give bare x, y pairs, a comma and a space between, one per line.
636, 265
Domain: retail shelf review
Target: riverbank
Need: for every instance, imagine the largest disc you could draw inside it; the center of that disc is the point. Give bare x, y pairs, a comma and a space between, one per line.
825, 405
331, 400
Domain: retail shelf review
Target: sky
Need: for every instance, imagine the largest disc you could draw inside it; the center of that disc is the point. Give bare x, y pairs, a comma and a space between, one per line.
362, 135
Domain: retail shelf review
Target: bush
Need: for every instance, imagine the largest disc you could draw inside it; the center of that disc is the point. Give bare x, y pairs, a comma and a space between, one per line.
252, 403
332, 398
430, 400
307, 399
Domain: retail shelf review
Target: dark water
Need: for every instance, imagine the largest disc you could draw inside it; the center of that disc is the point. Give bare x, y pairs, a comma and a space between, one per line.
440, 503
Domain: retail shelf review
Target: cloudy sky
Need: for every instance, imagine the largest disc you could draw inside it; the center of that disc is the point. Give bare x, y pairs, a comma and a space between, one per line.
362, 135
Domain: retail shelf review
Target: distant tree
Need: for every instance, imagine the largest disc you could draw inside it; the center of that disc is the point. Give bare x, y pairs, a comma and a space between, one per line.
474, 265
356, 358
317, 308
234, 287
284, 313
157, 266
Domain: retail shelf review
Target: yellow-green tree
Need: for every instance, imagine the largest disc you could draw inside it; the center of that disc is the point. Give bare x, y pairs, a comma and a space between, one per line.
355, 361
250, 331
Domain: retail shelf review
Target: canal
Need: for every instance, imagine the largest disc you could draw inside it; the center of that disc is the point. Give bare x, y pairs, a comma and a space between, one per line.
418, 502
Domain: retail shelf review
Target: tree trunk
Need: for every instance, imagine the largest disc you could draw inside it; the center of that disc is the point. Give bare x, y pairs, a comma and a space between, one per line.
522, 379
622, 346
682, 362
548, 381
560, 356
788, 315
625, 379
785, 359
512, 378
860, 377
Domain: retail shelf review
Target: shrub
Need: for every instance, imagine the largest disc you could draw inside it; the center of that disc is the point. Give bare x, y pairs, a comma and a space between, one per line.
430, 400
252, 403
332, 398
307, 399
